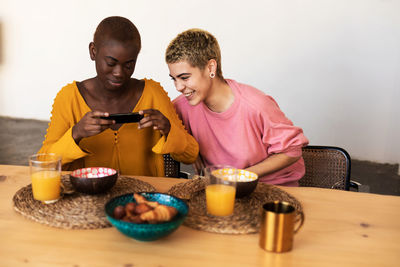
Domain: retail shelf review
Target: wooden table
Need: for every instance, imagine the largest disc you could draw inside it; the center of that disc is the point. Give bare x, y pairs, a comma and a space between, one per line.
341, 229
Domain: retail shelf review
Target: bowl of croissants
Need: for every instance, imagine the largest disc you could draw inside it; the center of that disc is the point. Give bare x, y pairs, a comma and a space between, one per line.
146, 216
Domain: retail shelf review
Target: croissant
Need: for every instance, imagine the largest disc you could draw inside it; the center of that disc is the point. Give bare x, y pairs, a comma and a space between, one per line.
161, 213
142, 208
141, 199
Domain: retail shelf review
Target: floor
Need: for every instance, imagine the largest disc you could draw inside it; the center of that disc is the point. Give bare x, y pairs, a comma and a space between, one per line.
22, 137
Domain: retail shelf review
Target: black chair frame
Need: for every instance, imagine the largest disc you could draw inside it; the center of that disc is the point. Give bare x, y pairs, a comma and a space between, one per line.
308, 181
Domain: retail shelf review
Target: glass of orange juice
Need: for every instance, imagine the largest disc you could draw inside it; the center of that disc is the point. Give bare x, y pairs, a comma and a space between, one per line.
46, 177
220, 189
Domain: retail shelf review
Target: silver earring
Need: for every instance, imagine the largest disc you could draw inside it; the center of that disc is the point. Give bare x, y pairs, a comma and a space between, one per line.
212, 75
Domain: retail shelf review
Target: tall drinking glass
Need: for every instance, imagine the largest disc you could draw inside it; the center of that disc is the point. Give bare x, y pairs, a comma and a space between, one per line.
46, 177
220, 189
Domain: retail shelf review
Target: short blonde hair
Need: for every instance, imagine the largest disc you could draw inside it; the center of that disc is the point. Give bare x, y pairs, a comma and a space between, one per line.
195, 46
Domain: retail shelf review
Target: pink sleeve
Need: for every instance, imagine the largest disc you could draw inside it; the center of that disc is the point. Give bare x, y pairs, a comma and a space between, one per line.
280, 135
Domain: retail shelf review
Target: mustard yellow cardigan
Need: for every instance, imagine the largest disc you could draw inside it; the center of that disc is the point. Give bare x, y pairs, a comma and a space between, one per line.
129, 149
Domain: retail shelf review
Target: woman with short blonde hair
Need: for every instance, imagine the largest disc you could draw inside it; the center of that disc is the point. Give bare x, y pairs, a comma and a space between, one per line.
234, 123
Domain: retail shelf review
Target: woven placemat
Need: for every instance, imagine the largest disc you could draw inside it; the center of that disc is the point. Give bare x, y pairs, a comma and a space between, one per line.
75, 210
247, 213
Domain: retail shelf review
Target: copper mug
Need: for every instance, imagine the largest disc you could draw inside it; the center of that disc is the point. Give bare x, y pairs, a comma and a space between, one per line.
279, 222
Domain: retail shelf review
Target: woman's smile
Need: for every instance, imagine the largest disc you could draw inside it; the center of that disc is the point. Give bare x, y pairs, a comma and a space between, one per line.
116, 83
188, 94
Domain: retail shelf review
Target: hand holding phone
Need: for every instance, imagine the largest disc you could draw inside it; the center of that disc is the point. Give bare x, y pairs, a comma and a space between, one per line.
124, 117
156, 120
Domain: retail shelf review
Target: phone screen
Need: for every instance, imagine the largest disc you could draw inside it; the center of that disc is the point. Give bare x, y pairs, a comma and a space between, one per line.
124, 117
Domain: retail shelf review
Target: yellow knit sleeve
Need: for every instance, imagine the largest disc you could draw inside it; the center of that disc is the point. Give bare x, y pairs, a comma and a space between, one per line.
179, 143
58, 138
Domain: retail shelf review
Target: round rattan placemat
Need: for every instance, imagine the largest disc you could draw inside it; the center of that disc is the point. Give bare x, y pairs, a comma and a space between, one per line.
75, 210
247, 213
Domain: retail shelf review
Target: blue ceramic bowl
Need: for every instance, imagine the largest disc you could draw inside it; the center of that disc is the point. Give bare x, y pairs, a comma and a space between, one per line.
147, 232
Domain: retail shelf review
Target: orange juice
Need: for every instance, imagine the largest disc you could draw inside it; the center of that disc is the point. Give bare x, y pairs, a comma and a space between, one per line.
46, 185
220, 199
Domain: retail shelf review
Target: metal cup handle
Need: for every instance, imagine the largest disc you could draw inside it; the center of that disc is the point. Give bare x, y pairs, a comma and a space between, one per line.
300, 220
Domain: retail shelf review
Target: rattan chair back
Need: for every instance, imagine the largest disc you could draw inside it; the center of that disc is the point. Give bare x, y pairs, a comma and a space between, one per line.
172, 167
326, 167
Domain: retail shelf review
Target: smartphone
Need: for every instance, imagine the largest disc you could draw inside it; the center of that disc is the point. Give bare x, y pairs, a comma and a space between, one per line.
124, 117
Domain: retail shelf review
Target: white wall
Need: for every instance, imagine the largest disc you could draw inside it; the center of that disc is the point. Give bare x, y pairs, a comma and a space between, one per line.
333, 66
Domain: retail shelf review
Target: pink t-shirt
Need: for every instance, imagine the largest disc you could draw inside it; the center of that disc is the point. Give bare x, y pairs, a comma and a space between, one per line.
252, 129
